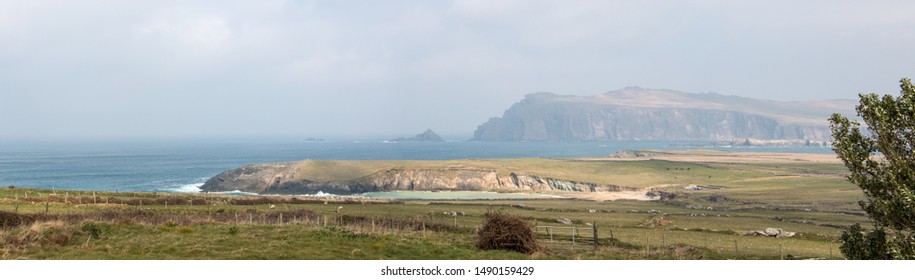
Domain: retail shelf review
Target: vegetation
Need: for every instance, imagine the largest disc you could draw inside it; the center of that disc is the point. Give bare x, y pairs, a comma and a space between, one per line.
506, 232
808, 197
882, 163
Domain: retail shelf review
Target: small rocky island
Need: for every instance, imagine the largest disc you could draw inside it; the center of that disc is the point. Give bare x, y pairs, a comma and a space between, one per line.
426, 136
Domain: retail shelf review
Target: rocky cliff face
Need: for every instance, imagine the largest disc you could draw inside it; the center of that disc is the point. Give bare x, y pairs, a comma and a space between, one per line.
640, 114
279, 178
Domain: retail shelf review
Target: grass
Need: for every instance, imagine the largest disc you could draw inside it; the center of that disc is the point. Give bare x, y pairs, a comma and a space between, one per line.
809, 198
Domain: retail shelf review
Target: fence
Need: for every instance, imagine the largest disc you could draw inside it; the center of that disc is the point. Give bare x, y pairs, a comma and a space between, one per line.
571, 237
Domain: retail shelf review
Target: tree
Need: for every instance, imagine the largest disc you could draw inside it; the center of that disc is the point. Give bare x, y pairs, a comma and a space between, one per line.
881, 162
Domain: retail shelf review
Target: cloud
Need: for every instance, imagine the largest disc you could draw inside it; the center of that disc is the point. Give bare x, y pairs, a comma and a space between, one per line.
202, 33
398, 67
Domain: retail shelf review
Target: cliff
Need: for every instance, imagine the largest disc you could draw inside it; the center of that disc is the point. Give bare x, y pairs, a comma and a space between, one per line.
647, 114
293, 178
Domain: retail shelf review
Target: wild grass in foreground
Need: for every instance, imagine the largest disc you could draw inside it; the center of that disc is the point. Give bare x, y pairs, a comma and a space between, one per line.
42, 226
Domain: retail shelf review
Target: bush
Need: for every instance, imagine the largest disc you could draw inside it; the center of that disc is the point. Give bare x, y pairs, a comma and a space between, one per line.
9, 219
506, 232
95, 230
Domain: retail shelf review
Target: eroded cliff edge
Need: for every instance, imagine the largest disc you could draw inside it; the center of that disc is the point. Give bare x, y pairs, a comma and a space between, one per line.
293, 178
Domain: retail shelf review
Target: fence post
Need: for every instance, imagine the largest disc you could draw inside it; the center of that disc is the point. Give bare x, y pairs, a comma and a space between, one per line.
781, 252
647, 245
574, 233
47, 200
736, 249
612, 239
594, 224
550, 231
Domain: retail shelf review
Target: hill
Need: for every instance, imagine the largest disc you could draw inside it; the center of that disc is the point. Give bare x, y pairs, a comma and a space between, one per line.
651, 114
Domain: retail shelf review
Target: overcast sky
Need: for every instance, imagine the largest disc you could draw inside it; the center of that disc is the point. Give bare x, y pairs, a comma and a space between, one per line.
162, 69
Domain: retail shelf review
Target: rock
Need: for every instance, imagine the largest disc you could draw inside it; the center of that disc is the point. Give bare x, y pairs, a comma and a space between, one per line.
564, 221
636, 154
426, 136
773, 232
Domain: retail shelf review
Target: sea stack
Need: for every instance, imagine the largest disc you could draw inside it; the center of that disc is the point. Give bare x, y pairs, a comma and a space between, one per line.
426, 136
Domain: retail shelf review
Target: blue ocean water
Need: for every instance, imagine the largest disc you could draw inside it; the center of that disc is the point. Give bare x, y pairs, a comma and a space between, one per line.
176, 166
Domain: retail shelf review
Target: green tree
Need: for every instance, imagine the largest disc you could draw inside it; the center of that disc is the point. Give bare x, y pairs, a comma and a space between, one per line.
881, 162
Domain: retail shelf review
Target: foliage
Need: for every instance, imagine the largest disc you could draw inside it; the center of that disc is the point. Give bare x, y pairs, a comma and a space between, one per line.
882, 163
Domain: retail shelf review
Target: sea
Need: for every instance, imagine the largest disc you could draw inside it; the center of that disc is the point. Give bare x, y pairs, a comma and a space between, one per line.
183, 166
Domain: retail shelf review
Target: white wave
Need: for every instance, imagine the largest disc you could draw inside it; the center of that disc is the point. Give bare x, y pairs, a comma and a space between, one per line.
188, 188
236, 192
323, 194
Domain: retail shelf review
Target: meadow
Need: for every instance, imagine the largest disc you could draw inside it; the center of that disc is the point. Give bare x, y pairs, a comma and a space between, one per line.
709, 205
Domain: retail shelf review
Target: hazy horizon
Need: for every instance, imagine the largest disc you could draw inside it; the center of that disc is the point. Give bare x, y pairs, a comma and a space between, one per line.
96, 70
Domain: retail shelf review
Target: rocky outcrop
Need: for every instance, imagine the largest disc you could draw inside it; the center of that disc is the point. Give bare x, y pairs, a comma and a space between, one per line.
280, 179
644, 114
426, 136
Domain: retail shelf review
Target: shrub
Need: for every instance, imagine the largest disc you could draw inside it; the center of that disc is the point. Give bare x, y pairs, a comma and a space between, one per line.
506, 232
9, 219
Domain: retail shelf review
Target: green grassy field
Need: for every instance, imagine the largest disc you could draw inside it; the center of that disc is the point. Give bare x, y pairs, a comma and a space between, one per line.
808, 198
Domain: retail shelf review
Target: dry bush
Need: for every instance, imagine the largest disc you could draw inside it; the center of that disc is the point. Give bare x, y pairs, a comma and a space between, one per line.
9, 219
38, 234
507, 232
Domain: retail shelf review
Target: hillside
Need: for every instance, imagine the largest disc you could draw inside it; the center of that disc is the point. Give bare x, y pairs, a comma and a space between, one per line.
639, 173
650, 114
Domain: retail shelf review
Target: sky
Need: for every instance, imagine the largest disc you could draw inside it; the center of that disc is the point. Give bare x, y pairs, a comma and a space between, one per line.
348, 69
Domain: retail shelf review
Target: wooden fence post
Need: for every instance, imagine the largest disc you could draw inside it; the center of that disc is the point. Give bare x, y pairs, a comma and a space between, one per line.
594, 224
781, 252
47, 200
